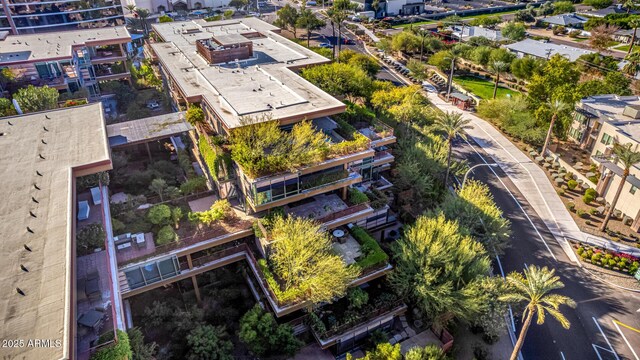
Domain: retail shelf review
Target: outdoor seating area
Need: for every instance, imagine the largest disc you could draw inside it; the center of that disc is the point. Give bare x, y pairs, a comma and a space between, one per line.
346, 246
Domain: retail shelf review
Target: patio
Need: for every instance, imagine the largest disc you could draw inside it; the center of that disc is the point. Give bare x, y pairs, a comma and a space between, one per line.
316, 207
95, 211
347, 247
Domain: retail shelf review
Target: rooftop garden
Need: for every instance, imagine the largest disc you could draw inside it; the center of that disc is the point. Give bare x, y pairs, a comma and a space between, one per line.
301, 265
263, 148
352, 310
359, 119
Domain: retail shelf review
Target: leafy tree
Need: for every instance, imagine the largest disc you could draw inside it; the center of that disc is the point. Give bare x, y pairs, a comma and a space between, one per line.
6, 76
629, 5
534, 288
160, 215
602, 37
228, 14
119, 350
563, 7
405, 42
441, 60
264, 337
497, 68
430, 352
340, 79
616, 83
480, 55
195, 115
524, 68
525, 15
158, 314
452, 124
239, 4
515, 31
598, 4
176, 216
302, 257
309, 21
628, 158
165, 19
135, 111
418, 69
90, 237
139, 349
501, 54
404, 104
287, 17
491, 320
32, 99
193, 185
546, 9
362, 61
556, 82
210, 343
475, 210
423, 35
424, 273
384, 351
6, 108
159, 186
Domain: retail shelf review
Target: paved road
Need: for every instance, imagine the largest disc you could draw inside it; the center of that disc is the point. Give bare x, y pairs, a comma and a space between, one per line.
593, 334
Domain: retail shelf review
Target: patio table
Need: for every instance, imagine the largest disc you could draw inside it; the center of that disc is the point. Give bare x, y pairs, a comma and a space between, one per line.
91, 319
338, 233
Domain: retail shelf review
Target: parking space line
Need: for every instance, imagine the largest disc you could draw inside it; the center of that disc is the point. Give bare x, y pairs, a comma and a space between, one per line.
605, 338
627, 326
615, 323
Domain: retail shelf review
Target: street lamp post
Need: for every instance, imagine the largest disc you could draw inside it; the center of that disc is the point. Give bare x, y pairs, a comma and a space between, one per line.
464, 180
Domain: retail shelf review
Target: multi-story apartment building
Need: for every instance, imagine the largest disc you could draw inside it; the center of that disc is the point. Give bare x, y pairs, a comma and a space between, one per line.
27, 17
238, 70
159, 6
598, 123
45, 153
68, 60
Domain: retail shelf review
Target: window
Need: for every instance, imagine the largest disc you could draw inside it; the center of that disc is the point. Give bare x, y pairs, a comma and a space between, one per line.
633, 189
575, 133
606, 139
598, 152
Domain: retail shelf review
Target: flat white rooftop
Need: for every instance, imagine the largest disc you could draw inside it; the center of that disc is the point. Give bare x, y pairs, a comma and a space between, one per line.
546, 50
611, 108
263, 85
41, 153
56, 45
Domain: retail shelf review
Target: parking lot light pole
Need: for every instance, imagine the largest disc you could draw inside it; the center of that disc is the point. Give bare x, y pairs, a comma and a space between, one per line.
464, 180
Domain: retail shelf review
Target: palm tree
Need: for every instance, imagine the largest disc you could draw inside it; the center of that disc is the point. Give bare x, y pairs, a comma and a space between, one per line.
423, 34
632, 66
454, 54
308, 21
556, 107
143, 15
131, 8
338, 14
634, 23
452, 124
629, 4
534, 288
498, 67
628, 158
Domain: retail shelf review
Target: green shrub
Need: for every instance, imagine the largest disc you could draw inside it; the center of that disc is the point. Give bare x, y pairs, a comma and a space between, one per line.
612, 263
596, 257
90, 238
194, 185
622, 265
591, 192
115, 351
159, 214
372, 253
593, 211
593, 179
582, 213
357, 197
588, 199
166, 235
580, 250
572, 184
284, 297
571, 206
357, 298
560, 192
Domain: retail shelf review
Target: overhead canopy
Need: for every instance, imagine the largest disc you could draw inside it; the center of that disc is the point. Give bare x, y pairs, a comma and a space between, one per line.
148, 129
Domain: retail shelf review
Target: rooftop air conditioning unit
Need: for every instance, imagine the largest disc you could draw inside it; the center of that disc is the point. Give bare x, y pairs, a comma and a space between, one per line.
632, 111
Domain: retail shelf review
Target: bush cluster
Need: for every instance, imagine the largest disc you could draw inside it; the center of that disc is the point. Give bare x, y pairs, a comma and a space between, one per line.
372, 253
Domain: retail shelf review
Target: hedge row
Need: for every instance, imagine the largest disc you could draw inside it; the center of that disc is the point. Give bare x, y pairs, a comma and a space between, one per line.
371, 250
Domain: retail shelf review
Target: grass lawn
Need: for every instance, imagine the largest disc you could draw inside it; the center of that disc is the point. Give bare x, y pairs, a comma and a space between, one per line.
468, 17
482, 88
625, 48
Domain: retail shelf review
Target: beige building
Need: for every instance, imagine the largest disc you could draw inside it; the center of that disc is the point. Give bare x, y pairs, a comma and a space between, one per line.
43, 154
598, 123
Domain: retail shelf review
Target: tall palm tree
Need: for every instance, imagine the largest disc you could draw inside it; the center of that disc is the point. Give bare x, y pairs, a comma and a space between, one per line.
634, 23
454, 54
131, 8
143, 15
423, 34
534, 288
338, 15
452, 124
497, 67
629, 5
632, 66
628, 158
556, 107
